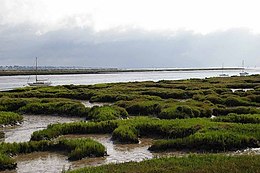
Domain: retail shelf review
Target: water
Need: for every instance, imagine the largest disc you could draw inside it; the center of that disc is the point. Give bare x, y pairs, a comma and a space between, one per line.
9, 82
32, 123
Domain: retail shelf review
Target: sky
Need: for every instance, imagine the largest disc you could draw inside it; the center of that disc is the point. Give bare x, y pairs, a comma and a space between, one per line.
130, 33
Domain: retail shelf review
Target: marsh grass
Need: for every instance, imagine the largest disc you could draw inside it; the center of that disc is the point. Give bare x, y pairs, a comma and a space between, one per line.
10, 118
242, 118
205, 163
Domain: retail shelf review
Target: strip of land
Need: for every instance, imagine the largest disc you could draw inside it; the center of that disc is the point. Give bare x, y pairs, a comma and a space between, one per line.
100, 71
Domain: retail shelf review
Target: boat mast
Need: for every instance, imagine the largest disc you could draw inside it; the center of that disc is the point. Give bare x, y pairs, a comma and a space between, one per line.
36, 70
243, 64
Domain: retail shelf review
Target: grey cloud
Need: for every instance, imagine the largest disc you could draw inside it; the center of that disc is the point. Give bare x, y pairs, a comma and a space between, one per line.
127, 48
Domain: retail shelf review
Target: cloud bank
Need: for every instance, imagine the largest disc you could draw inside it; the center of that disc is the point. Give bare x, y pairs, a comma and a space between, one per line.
129, 34
127, 48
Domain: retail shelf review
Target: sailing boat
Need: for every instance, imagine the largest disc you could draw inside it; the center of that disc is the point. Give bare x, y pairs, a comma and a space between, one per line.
243, 73
223, 74
37, 81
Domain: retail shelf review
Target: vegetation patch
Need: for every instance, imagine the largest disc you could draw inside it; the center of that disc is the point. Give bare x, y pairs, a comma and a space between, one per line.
44, 106
141, 107
235, 118
213, 141
125, 134
206, 163
6, 162
10, 118
104, 113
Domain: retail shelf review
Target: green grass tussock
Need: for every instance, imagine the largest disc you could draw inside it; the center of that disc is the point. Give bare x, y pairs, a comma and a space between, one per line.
235, 118
10, 118
210, 141
6, 162
104, 113
125, 134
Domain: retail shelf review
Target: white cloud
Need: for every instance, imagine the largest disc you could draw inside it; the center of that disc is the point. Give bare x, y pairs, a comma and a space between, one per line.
201, 16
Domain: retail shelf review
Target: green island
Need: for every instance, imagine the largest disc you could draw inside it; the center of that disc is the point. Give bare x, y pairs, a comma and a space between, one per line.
208, 119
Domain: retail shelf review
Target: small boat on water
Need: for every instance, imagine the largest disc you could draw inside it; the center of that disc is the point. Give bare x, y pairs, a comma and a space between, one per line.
38, 82
223, 74
243, 73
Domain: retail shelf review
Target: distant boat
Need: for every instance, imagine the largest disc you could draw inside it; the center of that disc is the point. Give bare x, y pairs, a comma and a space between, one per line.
243, 73
223, 74
38, 82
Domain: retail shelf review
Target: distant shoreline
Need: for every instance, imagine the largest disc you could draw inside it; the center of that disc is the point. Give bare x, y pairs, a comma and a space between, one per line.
101, 71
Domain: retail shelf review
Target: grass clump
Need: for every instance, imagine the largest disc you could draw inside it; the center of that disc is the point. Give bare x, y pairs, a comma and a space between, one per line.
80, 148
141, 107
125, 134
10, 118
180, 111
6, 162
55, 130
104, 113
209, 141
235, 118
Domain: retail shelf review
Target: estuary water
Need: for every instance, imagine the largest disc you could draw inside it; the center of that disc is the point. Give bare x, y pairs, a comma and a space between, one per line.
10, 82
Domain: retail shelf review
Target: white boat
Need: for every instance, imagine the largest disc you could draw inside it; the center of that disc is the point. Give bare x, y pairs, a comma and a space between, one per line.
243, 73
223, 74
38, 82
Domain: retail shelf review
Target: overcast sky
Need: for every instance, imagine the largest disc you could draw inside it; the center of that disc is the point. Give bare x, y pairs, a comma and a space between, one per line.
130, 33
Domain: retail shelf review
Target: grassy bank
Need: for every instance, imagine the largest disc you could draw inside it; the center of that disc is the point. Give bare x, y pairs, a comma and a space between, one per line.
186, 164
97, 71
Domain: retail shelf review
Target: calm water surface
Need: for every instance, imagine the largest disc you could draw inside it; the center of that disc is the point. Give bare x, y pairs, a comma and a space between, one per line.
9, 82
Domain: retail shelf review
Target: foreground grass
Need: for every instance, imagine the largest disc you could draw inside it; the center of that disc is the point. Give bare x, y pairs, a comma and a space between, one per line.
9, 118
188, 164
